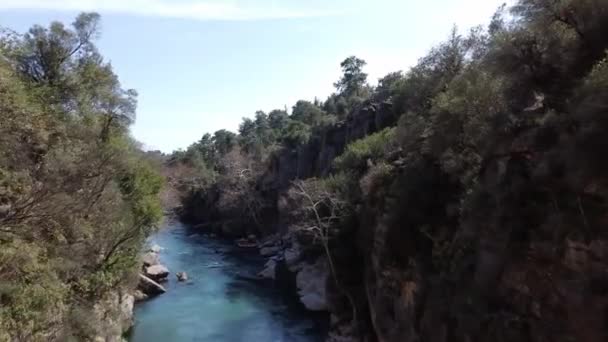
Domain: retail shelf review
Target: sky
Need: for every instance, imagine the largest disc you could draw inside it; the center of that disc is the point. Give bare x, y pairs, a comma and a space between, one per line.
203, 65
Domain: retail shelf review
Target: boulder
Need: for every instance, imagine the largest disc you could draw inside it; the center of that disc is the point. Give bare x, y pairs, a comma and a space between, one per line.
157, 272
271, 241
311, 282
269, 251
181, 276
155, 249
150, 259
292, 256
269, 271
149, 286
139, 296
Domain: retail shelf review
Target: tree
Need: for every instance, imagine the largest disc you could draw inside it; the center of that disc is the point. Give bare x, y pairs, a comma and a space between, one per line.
77, 197
224, 141
46, 52
353, 78
295, 134
262, 129
308, 113
387, 86
320, 214
278, 120
118, 110
430, 76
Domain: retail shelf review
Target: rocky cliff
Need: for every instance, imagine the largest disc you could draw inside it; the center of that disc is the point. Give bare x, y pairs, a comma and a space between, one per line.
216, 209
113, 317
525, 259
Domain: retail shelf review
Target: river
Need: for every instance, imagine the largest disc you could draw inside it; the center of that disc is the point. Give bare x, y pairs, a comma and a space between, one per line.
215, 305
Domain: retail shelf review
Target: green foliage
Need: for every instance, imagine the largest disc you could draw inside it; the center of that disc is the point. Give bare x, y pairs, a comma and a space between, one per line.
375, 179
367, 150
309, 113
353, 79
32, 293
140, 186
77, 197
342, 183
295, 134
387, 86
278, 120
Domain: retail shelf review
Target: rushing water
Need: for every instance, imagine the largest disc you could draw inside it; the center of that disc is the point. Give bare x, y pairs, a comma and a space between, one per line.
216, 305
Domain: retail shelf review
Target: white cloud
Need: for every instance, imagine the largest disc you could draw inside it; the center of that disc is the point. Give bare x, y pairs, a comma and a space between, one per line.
190, 9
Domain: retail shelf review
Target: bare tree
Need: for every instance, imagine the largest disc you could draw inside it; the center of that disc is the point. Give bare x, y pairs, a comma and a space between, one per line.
324, 211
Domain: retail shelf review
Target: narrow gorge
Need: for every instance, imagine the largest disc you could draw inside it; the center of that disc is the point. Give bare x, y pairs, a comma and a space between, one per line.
461, 200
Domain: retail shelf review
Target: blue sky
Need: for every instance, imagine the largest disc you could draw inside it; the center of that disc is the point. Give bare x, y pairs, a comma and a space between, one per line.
202, 65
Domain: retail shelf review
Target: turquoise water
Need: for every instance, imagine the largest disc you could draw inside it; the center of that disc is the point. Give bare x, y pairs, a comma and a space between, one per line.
215, 305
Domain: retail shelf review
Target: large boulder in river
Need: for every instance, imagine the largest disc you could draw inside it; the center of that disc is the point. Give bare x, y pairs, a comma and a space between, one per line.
311, 281
157, 272
150, 259
149, 286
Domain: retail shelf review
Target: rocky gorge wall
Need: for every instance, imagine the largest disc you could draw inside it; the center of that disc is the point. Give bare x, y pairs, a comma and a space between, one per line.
215, 210
514, 263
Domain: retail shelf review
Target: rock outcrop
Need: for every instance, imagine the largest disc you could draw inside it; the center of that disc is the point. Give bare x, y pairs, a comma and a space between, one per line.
270, 270
311, 281
158, 273
139, 296
214, 209
149, 287
114, 316
150, 259
181, 276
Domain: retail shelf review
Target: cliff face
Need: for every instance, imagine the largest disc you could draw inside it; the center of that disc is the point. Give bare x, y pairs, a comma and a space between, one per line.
113, 317
499, 279
526, 259
314, 159
219, 210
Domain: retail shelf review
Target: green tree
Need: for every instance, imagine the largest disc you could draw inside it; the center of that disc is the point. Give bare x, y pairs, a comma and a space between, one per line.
387, 86
353, 78
308, 113
278, 120
77, 196
47, 52
224, 141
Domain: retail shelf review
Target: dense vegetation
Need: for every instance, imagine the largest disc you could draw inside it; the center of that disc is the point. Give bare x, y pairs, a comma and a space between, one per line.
537, 70
498, 149
77, 197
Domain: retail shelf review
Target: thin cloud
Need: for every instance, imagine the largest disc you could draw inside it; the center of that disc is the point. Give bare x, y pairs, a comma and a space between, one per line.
192, 9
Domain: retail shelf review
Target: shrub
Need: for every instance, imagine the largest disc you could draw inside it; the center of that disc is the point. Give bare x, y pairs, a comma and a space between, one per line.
371, 148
